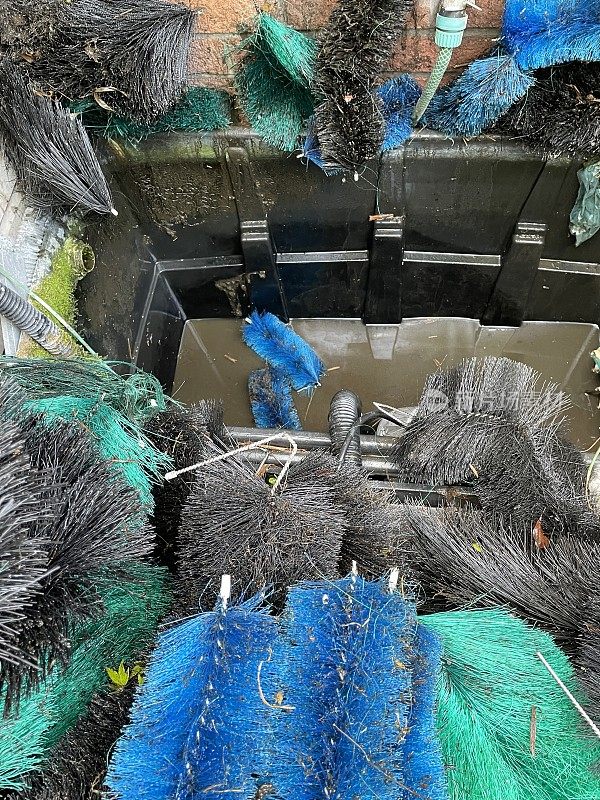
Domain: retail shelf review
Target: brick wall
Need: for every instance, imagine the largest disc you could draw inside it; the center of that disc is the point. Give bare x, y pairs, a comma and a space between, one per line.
219, 26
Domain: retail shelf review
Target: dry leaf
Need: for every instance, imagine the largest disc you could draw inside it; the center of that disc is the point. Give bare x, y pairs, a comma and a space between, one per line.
91, 50
533, 730
539, 537
472, 468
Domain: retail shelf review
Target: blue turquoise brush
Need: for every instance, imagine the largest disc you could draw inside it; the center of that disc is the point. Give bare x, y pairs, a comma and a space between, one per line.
535, 34
282, 348
194, 721
271, 400
343, 666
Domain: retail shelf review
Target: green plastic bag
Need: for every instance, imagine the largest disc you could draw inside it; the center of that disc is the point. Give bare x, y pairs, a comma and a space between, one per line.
585, 216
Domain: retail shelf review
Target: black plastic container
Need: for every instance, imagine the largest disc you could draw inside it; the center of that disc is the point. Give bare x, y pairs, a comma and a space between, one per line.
210, 227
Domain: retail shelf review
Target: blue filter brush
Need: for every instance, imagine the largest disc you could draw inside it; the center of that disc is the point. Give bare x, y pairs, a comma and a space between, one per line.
479, 97
193, 724
400, 96
535, 34
282, 348
271, 400
342, 671
424, 773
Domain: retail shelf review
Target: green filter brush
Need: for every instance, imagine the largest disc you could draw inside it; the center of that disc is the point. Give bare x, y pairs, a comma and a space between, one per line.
77, 765
507, 730
133, 608
138, 396
273, 81
464, 558
200, 110
120, 442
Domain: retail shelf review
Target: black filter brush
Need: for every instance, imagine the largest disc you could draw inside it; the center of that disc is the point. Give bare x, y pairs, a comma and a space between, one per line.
78, 764
470, 559
264, 536
185, 435
356, 47
490, 425
23, 561
27, 26
96, 526
375, 525
130, 56
561, 112
49, 149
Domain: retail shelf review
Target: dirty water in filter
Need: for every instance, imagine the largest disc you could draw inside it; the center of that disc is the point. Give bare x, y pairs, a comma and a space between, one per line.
389, 363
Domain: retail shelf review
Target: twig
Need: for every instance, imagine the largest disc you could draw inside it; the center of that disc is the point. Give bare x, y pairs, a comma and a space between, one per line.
577, 705
264, 699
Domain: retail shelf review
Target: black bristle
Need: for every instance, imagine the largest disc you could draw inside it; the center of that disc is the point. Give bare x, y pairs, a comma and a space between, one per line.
184, 434
77, 766
470, 559
49, 149
27, 26
561, 112
355, 48
23, 561
233, 523
489, 425
95, 528
129, 55
374, 525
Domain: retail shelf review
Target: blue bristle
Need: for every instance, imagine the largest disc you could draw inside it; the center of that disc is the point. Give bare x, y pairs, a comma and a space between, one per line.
560, 43
542, 33
282, 348
192, 729
344, 669
271, 400
479, 97
400, 96
527, 16
424, 773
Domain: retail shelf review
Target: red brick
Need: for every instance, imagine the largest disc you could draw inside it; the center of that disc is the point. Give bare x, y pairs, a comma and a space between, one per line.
208, 54
472, 47
415, 53
308, 15
211, 82
418, 52
490, 15
223, 16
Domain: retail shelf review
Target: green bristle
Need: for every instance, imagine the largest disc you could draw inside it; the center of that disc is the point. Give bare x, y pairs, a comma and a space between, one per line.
285, 48
200, 110
133, 610
120, 441
273, 81
507, 730
138, 397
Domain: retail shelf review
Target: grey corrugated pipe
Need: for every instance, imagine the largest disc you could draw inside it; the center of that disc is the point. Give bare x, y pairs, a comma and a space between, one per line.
32, 322
344, 414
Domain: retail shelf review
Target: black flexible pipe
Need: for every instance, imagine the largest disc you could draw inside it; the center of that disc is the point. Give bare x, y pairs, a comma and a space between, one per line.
344, 413
29, 320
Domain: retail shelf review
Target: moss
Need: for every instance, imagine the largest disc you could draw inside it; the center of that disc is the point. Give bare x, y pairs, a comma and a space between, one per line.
70, 263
